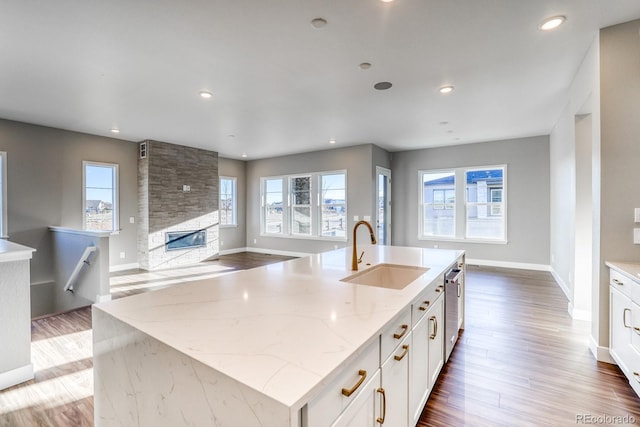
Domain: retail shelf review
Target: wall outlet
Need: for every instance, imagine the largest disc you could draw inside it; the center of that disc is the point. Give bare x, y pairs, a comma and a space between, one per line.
435, 246
255, 241
186, 188
132, 220
356, 218
335, 246
367, 217
123, 255
221, 243
636, 236
636, 215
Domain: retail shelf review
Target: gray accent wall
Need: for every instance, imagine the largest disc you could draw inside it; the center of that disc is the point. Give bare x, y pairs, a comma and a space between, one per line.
235, 237
358, 161
527, 161
620, 152
44, 186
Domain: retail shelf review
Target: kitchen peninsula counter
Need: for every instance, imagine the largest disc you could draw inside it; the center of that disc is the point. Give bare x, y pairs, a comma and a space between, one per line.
261, 342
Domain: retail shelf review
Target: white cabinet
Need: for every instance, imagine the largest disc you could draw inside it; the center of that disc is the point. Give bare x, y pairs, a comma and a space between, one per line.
364, 410
624, 324
395, 382
427, 356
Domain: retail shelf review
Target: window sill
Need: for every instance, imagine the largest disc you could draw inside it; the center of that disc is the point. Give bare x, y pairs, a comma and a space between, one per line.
228, 225
458, 240
320, 239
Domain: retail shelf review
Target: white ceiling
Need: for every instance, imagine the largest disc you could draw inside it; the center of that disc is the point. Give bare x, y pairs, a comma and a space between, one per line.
281, 86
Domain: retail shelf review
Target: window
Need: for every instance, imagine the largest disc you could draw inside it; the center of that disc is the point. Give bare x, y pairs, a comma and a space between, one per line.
481, 217
484, 203
311, 205
333, 206
3, 194
100, 201
438, 203
273, 206
228, 201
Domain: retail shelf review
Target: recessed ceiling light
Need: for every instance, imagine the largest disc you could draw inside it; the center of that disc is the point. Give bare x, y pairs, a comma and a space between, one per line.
115, 130
332, 141
552, 23
206, 95
365, 65
382, 85
244, 155
318, 22
446, 89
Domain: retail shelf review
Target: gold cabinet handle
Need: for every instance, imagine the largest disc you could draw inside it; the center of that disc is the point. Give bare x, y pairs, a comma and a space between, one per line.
440, 288
617, 282
404, 353
459, 290
435, 328
425, 306
404, 331
380, 420
349, 392
624, 317
636, 375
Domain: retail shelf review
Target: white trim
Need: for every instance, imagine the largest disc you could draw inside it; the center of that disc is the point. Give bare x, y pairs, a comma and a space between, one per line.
600, 353
562, 285
278, 252
123, 267
508, 264
3, 194
102, 298
16, 376
232, 251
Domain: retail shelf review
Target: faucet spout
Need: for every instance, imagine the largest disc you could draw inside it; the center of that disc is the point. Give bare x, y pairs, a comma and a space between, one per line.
354, 259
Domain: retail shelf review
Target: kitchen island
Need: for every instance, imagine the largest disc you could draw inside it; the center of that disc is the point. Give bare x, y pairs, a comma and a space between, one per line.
250, 348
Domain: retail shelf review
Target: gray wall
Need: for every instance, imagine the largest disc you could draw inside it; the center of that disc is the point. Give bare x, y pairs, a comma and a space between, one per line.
527, 161
235, 237
44, 186
358, 161
620, 151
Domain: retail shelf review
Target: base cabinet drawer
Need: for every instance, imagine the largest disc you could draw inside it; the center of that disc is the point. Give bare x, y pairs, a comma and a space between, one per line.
365, 410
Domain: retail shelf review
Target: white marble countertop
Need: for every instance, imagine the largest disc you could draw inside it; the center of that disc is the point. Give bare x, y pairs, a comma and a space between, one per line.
629, 269
10, 251
283, 329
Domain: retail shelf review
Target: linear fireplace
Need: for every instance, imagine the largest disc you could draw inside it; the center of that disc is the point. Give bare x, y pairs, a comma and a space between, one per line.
176, 240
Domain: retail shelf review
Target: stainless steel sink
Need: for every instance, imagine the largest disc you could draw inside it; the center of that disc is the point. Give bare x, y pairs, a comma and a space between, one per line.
391, 276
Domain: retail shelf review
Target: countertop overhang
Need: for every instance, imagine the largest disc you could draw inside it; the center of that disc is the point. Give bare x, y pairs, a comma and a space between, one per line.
10, 251
284, 329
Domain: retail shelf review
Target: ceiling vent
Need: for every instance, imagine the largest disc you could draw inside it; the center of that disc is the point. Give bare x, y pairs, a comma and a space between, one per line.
142, 148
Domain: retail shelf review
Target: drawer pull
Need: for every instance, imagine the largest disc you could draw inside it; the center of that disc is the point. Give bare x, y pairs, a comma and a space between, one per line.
435, 328
380, 420
404, 353
624, 317
440, 288
425, 306
617, 282
401, 334
636, 375
349, 392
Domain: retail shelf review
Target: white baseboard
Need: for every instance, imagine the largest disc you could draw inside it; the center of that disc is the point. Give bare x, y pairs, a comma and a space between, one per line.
16, 376
600, 353
277, 252
233, 251
578, 314
561, 284
508, 264
122, 267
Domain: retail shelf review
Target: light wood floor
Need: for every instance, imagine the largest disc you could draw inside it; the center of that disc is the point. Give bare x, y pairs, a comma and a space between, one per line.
521, 360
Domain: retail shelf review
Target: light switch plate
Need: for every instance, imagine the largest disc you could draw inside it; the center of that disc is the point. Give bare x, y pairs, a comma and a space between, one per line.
636, 236
636, 214
367, 217
132, 220
356, 218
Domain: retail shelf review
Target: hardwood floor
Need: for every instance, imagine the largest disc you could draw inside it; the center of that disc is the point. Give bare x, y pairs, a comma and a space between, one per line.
521, 361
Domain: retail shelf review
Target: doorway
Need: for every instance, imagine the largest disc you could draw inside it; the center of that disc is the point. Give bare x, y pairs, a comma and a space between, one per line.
383, 205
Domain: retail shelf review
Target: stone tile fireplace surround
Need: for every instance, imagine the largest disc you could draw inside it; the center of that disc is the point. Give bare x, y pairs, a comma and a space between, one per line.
177, 192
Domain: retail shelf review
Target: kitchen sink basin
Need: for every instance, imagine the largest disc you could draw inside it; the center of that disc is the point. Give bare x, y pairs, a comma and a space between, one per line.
391, 276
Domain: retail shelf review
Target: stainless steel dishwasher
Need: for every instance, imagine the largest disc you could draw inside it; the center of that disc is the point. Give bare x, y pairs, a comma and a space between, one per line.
451, 295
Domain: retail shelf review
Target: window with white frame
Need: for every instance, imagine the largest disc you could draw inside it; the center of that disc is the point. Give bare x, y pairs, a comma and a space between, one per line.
310, 205
482, 216
228, 201
100, 196
3, 194
438, 203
